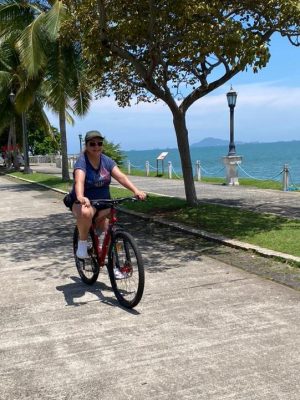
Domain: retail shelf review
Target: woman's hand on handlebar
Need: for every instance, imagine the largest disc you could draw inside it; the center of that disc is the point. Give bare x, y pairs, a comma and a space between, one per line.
84, 201
140, 195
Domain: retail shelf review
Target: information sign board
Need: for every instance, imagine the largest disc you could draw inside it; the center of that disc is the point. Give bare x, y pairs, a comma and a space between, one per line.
162, 155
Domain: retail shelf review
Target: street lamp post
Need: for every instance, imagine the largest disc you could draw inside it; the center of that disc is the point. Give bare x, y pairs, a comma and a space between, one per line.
13, 138
27, 169
231, 99
80, 142
232, 160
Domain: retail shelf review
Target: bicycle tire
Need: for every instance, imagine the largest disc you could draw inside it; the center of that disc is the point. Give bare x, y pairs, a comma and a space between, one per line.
124, 254
88, 269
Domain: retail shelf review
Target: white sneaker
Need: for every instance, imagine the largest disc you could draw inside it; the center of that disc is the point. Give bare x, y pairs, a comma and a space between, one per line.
118, 274
82, 249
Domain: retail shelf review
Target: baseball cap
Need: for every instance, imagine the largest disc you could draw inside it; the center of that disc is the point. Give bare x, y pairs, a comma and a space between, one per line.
92, 135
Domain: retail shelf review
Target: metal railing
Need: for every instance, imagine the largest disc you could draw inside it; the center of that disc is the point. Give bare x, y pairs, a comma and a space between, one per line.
284, 175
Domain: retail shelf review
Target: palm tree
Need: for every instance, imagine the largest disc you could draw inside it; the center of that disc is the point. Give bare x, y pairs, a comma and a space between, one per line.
14, 80
58, 67
15, 90
66, 90
61, 66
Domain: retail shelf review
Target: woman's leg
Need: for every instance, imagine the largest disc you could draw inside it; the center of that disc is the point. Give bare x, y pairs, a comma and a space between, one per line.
102, 220
84, 216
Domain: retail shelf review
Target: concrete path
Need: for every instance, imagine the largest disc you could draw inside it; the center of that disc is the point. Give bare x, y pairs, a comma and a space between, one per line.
204, 329
271, 201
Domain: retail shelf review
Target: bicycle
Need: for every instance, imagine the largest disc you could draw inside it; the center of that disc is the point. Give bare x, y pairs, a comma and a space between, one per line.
122, 254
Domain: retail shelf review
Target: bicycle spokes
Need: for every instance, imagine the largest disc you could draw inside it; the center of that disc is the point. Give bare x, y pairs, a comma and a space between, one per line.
88, 269
126, 269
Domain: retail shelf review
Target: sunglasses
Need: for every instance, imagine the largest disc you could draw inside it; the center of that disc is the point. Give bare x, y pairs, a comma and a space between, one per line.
93, 144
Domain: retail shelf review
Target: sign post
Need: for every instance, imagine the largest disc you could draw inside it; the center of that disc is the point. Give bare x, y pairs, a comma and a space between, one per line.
161, 158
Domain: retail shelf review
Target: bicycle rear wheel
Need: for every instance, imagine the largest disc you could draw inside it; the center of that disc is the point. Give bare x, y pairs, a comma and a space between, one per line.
88, 269
125, 258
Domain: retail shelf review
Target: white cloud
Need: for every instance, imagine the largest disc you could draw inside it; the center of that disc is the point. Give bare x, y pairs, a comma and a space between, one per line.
264, 112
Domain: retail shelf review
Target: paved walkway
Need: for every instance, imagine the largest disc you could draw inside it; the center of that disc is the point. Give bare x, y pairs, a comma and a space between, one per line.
272, 201
205, 330
285, 204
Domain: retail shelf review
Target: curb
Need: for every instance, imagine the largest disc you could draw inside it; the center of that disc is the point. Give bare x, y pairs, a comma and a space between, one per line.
217, 238
197, 232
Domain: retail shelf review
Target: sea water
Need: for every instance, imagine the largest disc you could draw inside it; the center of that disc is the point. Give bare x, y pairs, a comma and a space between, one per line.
259, 160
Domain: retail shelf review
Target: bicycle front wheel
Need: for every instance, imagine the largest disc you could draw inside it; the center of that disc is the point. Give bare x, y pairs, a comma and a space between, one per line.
126, 269
88, 269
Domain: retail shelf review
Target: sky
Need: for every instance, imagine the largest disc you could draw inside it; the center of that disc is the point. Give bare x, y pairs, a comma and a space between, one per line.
267, 110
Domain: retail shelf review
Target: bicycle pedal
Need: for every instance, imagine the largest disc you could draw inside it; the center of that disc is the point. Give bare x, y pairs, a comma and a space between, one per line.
119, 246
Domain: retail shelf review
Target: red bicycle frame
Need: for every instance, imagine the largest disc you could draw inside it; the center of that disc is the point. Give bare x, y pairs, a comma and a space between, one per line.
102, 251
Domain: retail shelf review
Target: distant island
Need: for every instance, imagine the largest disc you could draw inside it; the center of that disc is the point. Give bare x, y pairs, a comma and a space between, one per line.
213, 142
210, 141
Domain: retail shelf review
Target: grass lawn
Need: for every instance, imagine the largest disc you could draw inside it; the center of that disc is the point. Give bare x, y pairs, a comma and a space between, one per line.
45, 179
265, 230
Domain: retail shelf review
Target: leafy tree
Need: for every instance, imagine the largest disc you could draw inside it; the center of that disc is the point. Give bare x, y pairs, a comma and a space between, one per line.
176, 51
113, 150
41, 144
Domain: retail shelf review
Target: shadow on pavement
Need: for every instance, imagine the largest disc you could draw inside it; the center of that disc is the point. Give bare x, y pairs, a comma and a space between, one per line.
77, 289
32, 239
168, 242
49, 240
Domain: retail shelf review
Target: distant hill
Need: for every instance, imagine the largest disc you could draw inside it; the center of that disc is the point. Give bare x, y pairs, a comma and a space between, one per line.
209, 141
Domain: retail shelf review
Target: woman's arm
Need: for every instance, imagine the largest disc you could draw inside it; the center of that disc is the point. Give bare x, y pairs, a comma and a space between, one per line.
79, 187
124, 181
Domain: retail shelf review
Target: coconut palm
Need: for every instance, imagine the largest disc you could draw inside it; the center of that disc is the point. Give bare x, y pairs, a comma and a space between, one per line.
14, 79
57, 66
61, 66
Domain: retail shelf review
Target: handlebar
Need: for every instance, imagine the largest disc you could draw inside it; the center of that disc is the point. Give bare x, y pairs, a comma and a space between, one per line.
112, 202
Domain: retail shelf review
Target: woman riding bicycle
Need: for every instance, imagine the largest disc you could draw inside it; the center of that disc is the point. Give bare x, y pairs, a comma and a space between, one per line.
92, 176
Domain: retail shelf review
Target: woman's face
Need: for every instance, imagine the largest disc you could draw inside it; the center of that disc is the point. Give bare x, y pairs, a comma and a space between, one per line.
94, 146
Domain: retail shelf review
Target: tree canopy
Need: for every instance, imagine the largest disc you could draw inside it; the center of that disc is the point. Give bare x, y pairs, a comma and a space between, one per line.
176, 50
39, 144
153, 47
114, 151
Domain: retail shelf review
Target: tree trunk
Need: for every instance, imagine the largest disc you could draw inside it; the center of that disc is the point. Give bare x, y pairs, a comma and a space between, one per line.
185, 157
64, 147
8, 158
14, 144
